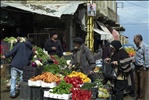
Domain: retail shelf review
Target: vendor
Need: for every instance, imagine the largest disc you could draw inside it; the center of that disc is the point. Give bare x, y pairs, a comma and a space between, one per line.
53, 45
82, 58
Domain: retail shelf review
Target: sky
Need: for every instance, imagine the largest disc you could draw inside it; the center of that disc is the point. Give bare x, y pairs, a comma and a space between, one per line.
134, 17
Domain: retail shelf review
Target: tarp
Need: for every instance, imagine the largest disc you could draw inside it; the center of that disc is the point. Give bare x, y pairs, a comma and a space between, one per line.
104, 35
49, 8
115, 34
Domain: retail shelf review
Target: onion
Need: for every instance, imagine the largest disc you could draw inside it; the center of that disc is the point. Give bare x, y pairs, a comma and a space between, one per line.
34, 64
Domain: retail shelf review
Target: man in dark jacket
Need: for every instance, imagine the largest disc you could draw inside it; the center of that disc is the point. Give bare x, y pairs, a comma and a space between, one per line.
82, 57
53, 45
21, 53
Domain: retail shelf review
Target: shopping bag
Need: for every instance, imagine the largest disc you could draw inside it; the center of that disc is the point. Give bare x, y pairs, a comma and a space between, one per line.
108, 71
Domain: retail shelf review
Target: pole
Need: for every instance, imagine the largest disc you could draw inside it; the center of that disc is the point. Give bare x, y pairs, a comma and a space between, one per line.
89, 37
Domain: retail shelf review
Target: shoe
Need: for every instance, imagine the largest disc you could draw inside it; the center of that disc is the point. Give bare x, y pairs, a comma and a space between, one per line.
13, 96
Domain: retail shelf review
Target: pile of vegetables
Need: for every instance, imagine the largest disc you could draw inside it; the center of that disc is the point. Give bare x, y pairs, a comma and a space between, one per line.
65, 72
103, 93
57, 60
78, 94
54, 69
75, 81
62, 88
40, 55
83, 77
46, 77
10, 40
88, 86
36, 63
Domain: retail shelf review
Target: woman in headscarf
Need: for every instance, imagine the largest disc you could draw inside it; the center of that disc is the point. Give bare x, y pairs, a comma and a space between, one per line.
120, 60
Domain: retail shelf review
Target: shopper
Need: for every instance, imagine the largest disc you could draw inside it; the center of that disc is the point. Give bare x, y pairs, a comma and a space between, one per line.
120, 60
141, 66
82, 57
106, 53
21, 54
53, 45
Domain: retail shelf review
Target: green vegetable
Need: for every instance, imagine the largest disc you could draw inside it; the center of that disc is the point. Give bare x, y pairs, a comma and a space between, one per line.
62, 88
65, 72
61, 61
54, 69
10, 40
41, 55
88, 86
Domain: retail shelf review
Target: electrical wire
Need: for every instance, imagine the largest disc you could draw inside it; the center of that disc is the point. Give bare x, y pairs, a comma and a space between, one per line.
128, 23
127, 11
136, 4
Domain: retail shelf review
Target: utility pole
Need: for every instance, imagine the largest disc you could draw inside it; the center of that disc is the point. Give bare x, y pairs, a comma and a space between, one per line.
90, 26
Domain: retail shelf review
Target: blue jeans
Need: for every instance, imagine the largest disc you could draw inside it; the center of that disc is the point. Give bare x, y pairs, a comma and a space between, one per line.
14, 74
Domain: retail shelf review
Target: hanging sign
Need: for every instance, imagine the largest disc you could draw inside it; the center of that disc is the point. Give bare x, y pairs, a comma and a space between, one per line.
91, 9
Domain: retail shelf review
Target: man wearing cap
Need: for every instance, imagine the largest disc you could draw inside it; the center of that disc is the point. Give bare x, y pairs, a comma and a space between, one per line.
53, 45
82, 58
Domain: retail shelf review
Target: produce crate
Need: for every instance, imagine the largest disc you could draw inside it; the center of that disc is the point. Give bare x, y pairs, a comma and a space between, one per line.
47, 94
94, 93
29, 72
34, 83
24, 91
36, 93
48, 85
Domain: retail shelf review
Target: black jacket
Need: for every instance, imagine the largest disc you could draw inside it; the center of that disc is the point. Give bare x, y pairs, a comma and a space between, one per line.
21, 53
48, 47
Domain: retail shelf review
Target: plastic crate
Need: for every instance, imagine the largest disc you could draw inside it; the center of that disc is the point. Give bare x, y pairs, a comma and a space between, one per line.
24, 91
36, 93
29, 72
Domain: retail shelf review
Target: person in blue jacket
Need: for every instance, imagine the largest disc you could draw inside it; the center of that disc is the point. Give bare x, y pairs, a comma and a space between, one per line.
21, 56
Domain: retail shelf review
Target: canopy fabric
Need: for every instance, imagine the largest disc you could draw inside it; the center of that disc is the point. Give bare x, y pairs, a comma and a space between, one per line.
103, 27
104, 35
49, 8
115, 34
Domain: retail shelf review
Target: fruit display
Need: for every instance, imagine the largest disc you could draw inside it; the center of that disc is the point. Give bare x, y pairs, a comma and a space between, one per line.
67, 53
75, 81
130, 50
83, 77
103, 93
62, 88
46, 77
97, 69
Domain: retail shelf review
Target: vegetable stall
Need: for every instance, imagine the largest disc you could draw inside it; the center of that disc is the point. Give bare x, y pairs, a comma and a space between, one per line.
57, 81
49, 78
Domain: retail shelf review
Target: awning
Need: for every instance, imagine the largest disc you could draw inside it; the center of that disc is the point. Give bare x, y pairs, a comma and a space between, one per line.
104, 35
49, 8
103, 27
115, 34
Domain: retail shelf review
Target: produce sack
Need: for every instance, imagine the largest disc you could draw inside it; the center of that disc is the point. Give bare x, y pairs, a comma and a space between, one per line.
108, 71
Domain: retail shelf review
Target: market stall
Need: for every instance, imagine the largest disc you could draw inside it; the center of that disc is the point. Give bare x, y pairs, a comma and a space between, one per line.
57, 81
48, 77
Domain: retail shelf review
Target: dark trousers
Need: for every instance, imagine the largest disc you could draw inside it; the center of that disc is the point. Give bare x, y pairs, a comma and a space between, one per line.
119, 89
141, 76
